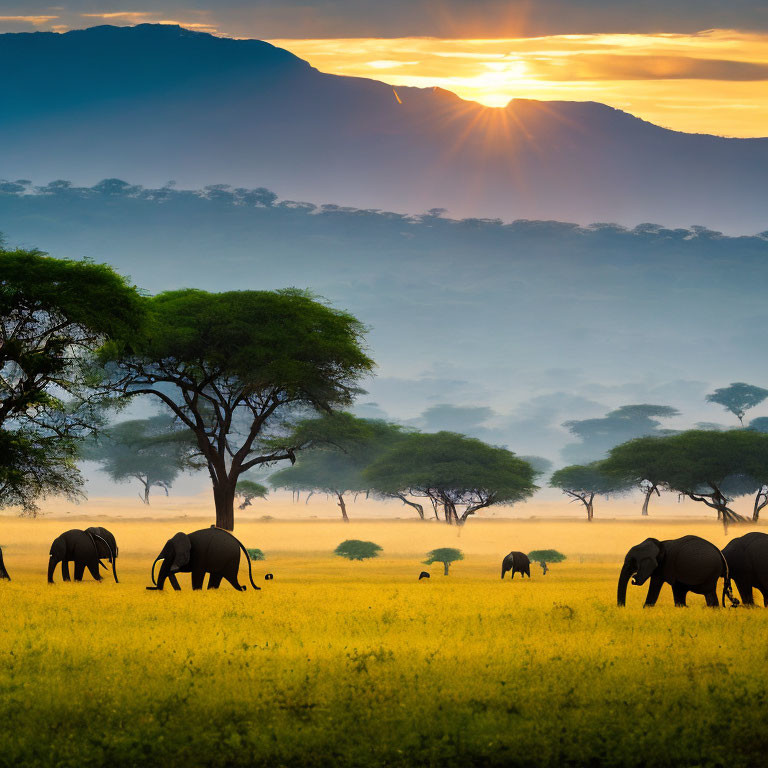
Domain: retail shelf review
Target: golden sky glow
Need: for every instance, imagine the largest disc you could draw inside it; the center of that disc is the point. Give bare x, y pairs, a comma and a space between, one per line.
712, 82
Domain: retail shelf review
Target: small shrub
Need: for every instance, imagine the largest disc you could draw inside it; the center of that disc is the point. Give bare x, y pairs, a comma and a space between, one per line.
256, 554
354, 549
545, 556
444, 555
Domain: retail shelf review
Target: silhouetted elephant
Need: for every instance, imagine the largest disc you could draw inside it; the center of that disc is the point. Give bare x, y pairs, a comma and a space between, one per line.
211, 550
747, 559
3, 572
423, 575
85, 549
268, 577
687, 564
517, 562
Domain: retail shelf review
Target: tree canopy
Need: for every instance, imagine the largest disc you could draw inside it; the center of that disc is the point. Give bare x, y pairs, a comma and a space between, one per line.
230, 365
452, 470
54, 313
738, 398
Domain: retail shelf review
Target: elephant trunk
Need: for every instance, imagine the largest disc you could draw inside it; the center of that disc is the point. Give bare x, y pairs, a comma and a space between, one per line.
621, 594
52, 563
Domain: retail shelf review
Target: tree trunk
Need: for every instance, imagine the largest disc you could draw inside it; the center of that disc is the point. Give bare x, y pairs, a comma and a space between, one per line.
146, 493
590, 505
648, 493
446, 566
224, 500
343, 507
761, 500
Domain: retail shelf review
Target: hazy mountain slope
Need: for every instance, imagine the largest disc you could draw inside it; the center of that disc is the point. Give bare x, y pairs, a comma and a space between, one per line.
543, 321
154, 103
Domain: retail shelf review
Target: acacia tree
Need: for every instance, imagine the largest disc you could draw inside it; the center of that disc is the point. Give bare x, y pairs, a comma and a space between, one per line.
248, 490
452, 470
231, 365
738, 398
338, 448
154, 451
708, 467
53, 314
583, 482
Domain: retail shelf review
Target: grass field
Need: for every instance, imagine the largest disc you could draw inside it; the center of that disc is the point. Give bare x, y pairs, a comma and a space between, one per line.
359, 664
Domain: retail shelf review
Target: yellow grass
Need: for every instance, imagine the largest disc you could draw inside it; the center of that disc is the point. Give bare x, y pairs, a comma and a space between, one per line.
339, 663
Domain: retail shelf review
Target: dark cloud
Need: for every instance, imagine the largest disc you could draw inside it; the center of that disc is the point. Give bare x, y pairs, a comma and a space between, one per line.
396, 18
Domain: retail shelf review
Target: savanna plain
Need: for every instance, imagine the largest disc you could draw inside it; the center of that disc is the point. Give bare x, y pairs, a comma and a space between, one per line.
360, 664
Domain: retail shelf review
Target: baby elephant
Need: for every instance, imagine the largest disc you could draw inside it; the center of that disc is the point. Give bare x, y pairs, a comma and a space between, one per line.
517, 562
423, 575
85, 549
3, 572
211, 550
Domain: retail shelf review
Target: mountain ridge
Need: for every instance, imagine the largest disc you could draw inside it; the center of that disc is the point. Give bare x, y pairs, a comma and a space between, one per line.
157, 102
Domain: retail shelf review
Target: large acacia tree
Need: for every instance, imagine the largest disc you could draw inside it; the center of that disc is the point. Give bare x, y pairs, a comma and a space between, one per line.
452, 471
233, 366
738, 398
707, 466
53, 314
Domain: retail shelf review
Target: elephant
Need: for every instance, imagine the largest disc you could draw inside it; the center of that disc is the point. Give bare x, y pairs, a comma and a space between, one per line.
210, 550
423, 575
3, 572
85, 548
517, 562
687, 564
747, 558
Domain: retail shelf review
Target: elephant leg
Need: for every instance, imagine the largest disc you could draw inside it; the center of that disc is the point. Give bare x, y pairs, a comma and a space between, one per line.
679, 592
711, 598
65, 571
79, 570
174, 581
653, 591
214, 581
512, 575
232, 579
198, 576
93, 567
745, 591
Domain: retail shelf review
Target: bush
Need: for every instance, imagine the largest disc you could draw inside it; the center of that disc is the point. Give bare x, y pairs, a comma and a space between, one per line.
544, 556
256, 554
354, 549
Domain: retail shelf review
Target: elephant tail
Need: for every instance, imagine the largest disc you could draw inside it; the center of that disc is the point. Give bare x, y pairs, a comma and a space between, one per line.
245, 552
248, 560
153, 570
727, 588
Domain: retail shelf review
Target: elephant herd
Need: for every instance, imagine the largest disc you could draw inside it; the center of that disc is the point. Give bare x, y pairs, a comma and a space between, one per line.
687, 564
693, 564
212, 551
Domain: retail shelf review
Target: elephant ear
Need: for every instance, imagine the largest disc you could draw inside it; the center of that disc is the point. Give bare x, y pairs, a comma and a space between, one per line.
182, 548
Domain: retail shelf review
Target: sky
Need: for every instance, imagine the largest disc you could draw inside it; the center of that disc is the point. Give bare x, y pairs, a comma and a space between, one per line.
691, 65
